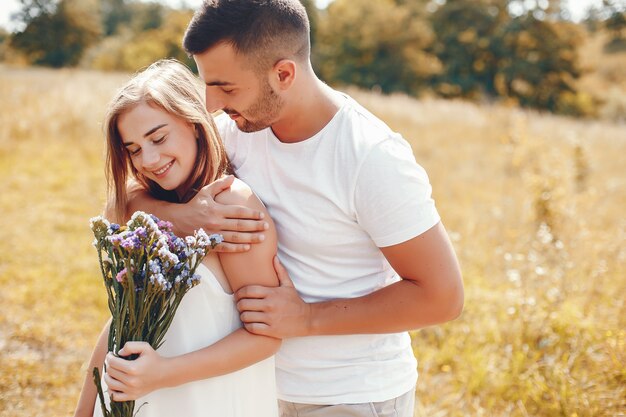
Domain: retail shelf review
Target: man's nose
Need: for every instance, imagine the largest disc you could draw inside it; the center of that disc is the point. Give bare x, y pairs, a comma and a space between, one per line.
213, 102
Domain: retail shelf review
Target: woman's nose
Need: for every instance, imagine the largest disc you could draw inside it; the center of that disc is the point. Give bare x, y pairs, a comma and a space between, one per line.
150, 157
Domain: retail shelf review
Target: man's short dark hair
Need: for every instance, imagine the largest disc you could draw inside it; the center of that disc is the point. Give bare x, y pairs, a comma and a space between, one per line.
264, 31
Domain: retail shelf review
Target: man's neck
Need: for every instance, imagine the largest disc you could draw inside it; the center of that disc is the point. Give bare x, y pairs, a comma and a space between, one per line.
308, 113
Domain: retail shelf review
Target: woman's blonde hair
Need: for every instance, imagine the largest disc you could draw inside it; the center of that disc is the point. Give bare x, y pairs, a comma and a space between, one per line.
171, 86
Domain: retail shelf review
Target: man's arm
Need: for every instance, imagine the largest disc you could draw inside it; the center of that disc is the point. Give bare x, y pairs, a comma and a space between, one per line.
430, 292
240, 225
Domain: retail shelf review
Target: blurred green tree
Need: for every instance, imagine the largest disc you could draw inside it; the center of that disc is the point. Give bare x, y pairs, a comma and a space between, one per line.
120, 15
374, 44
147, 16
523, 51
130, 51
115, 14
538, 64
464, 43
313, 13
56, 35
616, 25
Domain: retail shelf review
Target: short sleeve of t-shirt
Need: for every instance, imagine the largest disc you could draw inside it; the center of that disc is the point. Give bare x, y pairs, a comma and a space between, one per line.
393, 194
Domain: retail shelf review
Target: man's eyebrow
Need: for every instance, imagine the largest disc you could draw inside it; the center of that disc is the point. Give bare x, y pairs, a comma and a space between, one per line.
218, 83
148, 133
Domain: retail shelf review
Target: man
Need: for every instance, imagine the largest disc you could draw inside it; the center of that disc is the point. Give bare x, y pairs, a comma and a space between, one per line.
358, 230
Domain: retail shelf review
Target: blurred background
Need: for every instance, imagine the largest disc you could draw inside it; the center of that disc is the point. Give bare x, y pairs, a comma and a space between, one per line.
516, 108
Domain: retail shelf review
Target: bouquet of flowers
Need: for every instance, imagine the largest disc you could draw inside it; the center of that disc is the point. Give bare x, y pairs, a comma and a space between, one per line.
147, 270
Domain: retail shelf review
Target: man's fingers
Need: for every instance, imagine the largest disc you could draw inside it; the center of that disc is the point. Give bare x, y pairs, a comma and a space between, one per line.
253, 317
244, 225
240, 212
220, 185
238, 237
226, 247
251, 304
281, 272
261, 329
251, 291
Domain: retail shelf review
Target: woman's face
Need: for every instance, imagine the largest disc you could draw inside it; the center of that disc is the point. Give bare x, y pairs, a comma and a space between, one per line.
161, 146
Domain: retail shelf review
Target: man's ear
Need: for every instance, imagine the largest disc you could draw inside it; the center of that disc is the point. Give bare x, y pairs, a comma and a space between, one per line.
284, 73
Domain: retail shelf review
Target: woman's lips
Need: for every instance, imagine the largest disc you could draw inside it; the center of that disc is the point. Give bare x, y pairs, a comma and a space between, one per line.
162, 171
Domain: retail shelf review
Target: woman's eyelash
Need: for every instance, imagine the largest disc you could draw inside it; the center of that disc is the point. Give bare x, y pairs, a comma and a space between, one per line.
156, 141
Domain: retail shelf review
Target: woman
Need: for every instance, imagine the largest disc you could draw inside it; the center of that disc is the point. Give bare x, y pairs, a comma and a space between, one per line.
158, 129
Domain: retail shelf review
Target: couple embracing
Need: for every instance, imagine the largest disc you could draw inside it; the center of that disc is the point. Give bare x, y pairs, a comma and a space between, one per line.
333, 246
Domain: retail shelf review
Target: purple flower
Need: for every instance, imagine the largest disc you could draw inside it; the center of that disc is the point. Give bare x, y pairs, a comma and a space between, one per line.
165, 226
141, 233
131, 242
154, 265
121, 275
194, 280
115, 240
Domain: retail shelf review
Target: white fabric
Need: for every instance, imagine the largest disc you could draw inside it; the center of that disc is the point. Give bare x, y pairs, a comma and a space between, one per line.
336, 198
206, 315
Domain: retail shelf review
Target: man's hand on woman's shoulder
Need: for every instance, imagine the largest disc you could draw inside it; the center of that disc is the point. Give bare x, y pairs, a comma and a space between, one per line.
211, 209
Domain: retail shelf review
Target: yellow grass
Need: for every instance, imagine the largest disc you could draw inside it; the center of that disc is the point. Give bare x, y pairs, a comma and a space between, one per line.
534, 205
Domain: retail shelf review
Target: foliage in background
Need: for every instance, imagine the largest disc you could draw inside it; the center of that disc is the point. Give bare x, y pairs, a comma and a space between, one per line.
313, 13
374, 44
529, 60
465, 38
130, 50
56, 35
538, 65
616, 25
521, 52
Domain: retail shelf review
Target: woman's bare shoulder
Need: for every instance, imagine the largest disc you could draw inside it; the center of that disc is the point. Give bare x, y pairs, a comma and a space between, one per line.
240, 194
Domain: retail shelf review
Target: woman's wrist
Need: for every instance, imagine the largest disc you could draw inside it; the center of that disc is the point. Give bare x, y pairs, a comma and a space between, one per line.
172, 373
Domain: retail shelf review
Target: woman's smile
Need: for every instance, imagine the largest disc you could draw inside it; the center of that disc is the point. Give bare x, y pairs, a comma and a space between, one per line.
160, 173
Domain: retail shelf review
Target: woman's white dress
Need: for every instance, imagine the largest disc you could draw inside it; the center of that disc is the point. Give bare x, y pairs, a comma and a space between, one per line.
207, 314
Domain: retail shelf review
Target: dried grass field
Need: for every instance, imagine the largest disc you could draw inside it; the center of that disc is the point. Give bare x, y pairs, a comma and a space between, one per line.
534, 204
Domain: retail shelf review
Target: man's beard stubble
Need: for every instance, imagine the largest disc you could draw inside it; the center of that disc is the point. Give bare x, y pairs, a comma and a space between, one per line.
263, 113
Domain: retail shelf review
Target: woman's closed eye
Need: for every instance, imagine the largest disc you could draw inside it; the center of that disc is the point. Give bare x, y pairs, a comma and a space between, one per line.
157, 141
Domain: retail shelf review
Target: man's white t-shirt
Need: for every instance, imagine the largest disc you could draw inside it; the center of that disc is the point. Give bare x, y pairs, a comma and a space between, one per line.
335, 199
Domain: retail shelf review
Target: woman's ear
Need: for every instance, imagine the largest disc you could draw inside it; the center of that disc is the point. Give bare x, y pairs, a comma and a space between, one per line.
284, 73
